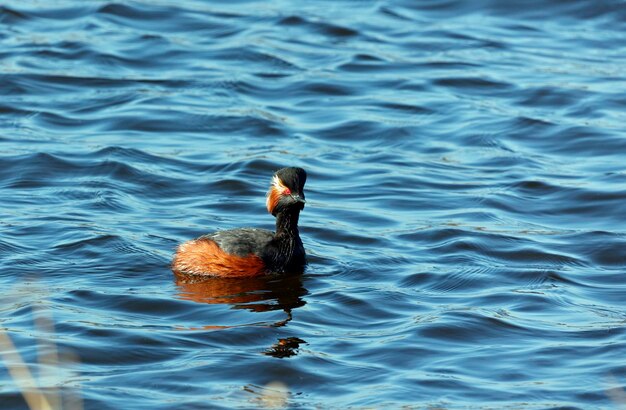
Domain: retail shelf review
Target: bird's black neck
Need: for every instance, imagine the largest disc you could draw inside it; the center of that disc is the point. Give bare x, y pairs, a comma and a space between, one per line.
285, 252
287, 224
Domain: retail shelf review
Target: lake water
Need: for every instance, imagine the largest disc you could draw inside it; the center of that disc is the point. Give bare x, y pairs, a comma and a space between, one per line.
465, 223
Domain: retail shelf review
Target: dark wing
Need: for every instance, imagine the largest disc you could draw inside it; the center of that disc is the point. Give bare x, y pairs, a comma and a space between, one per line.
241, 242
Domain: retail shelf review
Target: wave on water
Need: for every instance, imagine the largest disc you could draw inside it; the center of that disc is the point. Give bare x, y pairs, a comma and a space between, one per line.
464, 223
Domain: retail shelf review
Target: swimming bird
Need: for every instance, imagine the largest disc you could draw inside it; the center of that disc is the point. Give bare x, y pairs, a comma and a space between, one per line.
247, 252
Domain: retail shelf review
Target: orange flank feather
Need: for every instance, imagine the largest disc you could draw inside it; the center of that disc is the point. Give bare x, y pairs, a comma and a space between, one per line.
205, 257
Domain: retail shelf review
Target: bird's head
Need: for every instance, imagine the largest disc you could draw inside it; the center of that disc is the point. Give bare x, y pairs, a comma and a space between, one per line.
286, 191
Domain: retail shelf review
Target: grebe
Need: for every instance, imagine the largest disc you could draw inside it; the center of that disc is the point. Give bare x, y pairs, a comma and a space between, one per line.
249, 252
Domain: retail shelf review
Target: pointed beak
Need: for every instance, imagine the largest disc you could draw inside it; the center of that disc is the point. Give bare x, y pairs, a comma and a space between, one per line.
298, 198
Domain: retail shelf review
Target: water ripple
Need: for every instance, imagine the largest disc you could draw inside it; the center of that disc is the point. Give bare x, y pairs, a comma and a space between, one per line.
463, 219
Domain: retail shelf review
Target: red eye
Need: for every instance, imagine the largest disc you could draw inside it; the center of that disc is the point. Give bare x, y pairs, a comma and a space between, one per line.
287, 191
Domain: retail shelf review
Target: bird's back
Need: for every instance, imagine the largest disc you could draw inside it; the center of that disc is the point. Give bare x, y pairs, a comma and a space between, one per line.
242, 241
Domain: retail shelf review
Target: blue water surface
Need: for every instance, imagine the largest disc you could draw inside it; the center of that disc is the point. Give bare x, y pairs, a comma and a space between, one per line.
465, 221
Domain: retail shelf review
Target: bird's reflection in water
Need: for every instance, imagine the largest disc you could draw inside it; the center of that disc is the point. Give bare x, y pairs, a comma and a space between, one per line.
284, 347
262, 294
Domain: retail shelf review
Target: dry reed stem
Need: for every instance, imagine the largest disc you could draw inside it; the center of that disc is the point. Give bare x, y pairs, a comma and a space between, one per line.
18, 370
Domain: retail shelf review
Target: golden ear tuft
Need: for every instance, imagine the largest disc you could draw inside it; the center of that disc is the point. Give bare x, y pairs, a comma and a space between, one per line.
277, 188
273, 195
